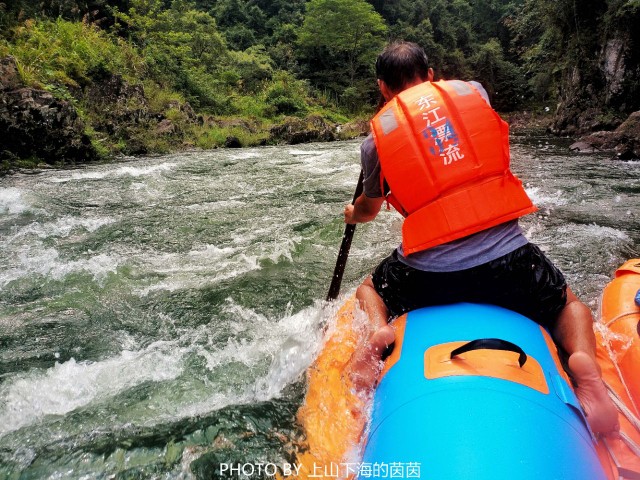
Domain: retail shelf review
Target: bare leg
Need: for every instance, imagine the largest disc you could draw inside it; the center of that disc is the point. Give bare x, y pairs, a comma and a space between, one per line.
574, 332
364, 367
372, 304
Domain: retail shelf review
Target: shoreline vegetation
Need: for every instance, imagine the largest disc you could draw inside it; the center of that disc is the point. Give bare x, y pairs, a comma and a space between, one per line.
92, 80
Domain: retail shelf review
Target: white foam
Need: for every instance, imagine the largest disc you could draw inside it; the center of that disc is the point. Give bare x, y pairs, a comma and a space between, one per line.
288, 346
63, 227
12, 201
546, 199
297, 340
593, 231
199, 260
47, 262
325, 166
119, 172
213, 206
210, 264
71, 385
282, 248
246, 156
305, 152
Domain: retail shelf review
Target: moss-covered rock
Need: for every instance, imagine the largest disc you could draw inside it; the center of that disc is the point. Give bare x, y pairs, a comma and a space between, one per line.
34, 124
293, 130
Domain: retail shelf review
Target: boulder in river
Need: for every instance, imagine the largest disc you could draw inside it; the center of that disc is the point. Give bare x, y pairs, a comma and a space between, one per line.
583, 147
624, 141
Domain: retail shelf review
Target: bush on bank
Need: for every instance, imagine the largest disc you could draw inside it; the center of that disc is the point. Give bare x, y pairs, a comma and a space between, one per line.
172, 84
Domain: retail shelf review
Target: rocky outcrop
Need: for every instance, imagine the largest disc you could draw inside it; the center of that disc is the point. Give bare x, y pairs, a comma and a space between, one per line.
624, 141
116, 105
35, 124
354, 129
232, 142
9, 76
297, 130
583, 106
249, 125
599, 87
121, 110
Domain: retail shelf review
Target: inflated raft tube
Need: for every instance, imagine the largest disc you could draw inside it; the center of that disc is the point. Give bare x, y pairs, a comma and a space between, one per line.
477, 392
618, 354
621, 316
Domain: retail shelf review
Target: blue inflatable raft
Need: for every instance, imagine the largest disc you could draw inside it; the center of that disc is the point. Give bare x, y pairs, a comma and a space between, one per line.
477, 392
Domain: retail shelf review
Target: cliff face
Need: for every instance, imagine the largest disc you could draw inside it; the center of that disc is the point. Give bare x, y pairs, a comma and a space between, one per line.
600, 87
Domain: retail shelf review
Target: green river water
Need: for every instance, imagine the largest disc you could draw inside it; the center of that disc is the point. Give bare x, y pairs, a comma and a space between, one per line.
157, 314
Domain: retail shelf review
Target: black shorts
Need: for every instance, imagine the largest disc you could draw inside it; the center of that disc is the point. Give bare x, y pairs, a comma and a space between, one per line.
524, 281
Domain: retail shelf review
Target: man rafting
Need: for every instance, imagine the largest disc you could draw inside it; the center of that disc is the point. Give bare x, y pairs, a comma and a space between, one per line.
440, 155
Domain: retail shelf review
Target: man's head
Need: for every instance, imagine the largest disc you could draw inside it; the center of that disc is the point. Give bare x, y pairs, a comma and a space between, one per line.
401, 65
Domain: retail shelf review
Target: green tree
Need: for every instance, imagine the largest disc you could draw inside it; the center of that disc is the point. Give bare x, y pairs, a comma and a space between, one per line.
182, 47
342, 35
502, 79
96, 11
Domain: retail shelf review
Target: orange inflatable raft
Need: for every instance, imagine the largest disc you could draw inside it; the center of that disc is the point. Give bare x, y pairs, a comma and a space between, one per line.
335, 419
619, 359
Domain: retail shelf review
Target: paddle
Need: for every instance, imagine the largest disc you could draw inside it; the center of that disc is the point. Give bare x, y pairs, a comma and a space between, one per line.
343, 254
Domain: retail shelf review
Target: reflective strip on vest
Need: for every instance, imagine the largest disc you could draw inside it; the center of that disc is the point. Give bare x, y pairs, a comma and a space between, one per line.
444, 152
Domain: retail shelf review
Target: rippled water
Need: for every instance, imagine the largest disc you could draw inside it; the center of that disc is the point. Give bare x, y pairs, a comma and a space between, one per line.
157, 314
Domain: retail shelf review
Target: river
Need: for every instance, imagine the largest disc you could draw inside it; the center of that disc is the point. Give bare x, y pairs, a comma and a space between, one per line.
157, 314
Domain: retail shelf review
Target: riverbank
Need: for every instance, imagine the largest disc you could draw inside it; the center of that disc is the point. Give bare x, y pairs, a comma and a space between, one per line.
115, 117
528, 121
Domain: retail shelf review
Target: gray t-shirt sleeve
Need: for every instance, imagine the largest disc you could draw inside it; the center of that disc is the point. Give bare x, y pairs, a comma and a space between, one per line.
483, 93
371, 168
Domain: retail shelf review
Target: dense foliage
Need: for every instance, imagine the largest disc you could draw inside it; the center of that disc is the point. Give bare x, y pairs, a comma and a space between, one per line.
265, 59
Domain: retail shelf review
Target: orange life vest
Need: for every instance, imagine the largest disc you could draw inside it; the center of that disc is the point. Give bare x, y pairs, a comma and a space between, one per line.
444, 153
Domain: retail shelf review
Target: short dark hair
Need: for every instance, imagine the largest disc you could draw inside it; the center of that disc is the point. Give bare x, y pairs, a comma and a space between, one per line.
400, 64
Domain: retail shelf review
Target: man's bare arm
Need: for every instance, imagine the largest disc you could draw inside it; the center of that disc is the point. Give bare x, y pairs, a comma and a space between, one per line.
363, 210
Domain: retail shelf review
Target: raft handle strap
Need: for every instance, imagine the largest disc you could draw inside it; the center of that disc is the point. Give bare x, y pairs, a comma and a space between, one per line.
491, 344
622, 407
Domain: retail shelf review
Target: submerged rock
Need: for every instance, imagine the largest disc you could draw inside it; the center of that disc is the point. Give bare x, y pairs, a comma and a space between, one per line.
583, 147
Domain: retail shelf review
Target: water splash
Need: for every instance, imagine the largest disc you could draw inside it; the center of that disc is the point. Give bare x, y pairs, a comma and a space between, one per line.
47, 262
12, 201
130, 171
71, 385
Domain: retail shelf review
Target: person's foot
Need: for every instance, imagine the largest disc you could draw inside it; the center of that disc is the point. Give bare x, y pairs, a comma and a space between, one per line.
601, 413
365, 364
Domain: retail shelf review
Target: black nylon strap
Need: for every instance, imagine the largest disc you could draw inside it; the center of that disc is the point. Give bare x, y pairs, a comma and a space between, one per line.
491, 344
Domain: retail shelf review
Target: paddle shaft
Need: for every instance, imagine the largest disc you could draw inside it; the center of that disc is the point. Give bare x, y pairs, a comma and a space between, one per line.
343, 254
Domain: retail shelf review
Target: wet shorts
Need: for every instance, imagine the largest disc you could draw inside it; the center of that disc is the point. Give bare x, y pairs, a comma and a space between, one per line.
524, 281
